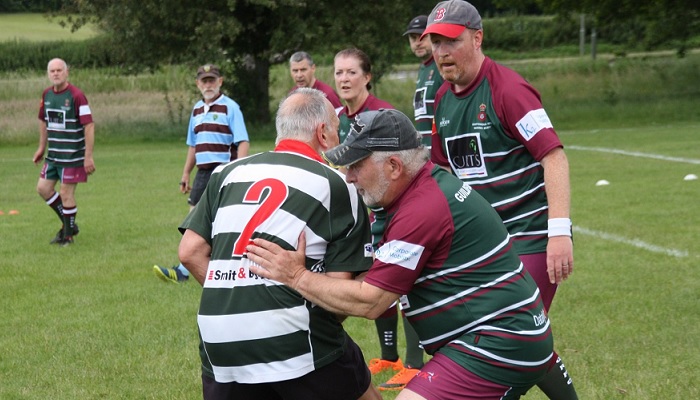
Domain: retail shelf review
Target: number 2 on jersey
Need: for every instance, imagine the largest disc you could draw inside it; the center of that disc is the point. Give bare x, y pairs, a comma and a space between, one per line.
277, 193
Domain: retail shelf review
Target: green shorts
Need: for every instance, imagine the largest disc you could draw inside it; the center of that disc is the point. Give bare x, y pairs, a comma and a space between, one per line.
64, 174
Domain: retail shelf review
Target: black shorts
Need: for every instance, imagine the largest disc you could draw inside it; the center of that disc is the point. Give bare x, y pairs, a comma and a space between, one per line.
347, 378
200, 183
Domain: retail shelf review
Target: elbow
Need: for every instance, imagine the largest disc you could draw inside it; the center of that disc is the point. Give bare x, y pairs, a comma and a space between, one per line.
375, 311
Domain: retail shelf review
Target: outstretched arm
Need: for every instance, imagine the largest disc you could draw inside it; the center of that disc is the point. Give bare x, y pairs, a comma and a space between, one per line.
340, 296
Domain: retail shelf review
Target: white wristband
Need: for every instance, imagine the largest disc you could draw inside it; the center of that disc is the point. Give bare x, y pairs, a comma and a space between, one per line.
559, 227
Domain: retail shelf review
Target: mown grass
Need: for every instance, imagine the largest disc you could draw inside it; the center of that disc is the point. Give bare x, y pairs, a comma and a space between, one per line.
37, 27
91, 321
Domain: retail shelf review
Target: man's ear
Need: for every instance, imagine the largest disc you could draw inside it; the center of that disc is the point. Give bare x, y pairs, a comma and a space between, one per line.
395, 167
321, 137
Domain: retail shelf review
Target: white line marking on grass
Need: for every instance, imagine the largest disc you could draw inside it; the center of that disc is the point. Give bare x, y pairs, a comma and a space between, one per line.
636, 154
632, 242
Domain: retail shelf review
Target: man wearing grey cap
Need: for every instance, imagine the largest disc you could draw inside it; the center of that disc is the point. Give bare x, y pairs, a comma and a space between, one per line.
429, 79
445, 254
427, 84
492, 132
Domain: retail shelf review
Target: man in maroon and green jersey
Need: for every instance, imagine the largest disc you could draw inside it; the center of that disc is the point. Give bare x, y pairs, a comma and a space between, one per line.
429, 79
491, 130
66, 129
446, 254
261, 339
302, 68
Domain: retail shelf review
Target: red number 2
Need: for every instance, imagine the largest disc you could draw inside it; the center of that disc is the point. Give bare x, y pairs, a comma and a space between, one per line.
277, 193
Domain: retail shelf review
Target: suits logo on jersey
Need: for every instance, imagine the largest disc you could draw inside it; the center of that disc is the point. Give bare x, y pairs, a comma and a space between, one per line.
400, 253
482, 112
465, 155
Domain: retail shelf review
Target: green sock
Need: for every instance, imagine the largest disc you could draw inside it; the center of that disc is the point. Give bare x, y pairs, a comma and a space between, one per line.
414, 353
557, 384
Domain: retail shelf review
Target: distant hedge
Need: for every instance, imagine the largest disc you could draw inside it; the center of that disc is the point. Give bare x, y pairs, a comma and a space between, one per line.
510, 34
25, 55
524, 33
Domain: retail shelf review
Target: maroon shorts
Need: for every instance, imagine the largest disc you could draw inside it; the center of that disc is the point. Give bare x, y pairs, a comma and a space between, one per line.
443, 379
536, 265
347, 378
64, 174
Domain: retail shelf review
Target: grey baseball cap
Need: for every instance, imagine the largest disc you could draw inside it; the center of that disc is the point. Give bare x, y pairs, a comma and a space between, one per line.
417, 25
381, 130
450, 18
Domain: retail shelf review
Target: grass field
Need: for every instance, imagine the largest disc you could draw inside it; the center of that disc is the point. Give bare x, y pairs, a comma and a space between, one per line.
37, 27
91, 321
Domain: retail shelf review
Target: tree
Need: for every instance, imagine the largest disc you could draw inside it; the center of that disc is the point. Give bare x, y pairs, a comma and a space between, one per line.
244, 36
660, 21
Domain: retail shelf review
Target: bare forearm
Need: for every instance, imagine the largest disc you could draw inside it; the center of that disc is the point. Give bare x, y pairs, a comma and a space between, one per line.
556, 180
342, 296
89, 139
243, 148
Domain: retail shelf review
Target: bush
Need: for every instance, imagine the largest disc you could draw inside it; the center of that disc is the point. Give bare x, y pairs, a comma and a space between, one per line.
22, 55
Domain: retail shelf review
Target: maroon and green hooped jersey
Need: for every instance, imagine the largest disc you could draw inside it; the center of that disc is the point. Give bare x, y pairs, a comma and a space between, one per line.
492, 135
371, 104
65, 113
466, 292
428, 82
254, 330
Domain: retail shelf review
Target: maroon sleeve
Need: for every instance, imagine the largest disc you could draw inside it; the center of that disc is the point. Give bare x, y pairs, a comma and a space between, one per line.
80, 100
421, 222
513, 98
42, 111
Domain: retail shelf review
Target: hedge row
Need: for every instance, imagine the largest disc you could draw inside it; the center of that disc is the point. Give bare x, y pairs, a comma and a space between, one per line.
510, 34
26, 55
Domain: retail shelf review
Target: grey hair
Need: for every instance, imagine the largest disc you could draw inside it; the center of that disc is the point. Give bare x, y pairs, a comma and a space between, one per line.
301, 56
297, 119
65, 64
413, 159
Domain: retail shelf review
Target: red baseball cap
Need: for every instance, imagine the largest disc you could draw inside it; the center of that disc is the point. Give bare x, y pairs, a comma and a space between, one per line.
450, 18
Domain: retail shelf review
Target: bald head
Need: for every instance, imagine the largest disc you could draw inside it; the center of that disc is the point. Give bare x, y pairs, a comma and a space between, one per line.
301, 113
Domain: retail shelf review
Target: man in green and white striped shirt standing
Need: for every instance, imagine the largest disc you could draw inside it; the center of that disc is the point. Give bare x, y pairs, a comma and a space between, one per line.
261, 339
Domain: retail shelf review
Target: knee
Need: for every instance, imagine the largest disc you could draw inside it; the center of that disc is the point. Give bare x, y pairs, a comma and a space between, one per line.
44, 191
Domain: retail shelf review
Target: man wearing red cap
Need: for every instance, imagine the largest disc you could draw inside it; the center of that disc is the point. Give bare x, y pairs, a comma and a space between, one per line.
491, 130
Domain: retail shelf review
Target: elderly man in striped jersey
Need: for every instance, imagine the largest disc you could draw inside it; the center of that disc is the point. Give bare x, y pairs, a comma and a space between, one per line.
66, 129
262, 340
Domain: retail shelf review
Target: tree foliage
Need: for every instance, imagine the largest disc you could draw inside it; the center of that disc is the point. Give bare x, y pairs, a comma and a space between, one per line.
654, 22
244, 36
